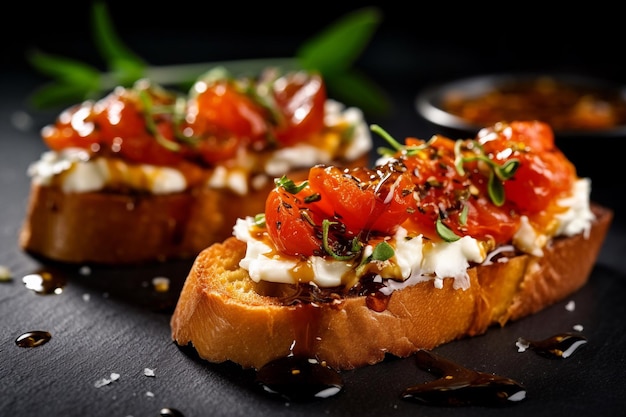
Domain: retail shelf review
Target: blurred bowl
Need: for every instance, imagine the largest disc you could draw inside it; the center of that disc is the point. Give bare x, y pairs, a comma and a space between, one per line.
588, 115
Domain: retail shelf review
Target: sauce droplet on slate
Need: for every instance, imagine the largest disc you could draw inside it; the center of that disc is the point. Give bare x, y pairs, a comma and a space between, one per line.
459, 386
298, 378
33, 339
561, 345
44, 283
170, 412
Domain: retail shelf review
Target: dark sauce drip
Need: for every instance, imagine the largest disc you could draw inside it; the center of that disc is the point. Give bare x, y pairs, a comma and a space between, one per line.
458, 386
311, 294
290, 295
170, 412
558, 346
33, 339
45, 282
374, 299
299, 378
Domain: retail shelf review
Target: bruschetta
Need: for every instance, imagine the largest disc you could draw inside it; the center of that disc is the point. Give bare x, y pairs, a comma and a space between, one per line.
148, 174
440, 240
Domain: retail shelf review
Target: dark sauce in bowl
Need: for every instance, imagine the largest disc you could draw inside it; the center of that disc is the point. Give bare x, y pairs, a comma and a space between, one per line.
587, 114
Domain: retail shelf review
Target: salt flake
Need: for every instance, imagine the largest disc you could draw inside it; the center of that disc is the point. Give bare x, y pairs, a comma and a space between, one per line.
106, 381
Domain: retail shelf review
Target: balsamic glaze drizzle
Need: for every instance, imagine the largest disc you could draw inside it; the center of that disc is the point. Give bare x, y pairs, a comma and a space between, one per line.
459, 386
561, 345
298, 378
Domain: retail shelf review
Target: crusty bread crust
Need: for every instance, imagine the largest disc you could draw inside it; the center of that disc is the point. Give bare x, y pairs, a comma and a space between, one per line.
135, 228
222, 313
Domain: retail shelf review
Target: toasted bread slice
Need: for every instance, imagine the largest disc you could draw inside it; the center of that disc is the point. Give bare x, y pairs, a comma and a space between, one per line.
224, 315
136, 227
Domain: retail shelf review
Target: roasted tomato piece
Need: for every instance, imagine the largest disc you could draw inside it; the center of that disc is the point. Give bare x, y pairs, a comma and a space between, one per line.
300, 98
365, 200
352, 202
459, 200
117, 125
544, 172
74, 128
294, 228
123, 124
224, 116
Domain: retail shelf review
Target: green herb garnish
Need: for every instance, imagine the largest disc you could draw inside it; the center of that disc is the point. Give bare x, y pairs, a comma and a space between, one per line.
332, 52
326, 244
497, 173
397, 146
381, 252
445, 232
259, 220
288, 185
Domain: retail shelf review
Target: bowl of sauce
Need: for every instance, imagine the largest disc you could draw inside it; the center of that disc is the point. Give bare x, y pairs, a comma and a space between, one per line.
581, 110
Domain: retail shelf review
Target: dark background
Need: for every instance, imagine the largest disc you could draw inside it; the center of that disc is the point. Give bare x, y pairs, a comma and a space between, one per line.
416, 42
124, 327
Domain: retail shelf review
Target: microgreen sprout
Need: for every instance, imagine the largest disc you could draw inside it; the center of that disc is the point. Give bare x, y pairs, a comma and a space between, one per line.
445, 232
395, 145
259, 220
356, 246
497, 173
463, 216
382, 252
288, 185
148, 112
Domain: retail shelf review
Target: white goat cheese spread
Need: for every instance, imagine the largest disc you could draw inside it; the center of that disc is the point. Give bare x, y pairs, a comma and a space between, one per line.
74, 171
417, 259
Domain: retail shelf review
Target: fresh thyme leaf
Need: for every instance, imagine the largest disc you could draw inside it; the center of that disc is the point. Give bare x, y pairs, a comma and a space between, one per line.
445, 233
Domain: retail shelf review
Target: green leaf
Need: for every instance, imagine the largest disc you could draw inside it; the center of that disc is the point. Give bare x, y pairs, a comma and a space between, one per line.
259, 220
331, 52
336, 48
126, 67
125, 72
445, 233
508, 170
382, 252
118, 57
288, 185
354, 88
65, 69
495, 188
50, 95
